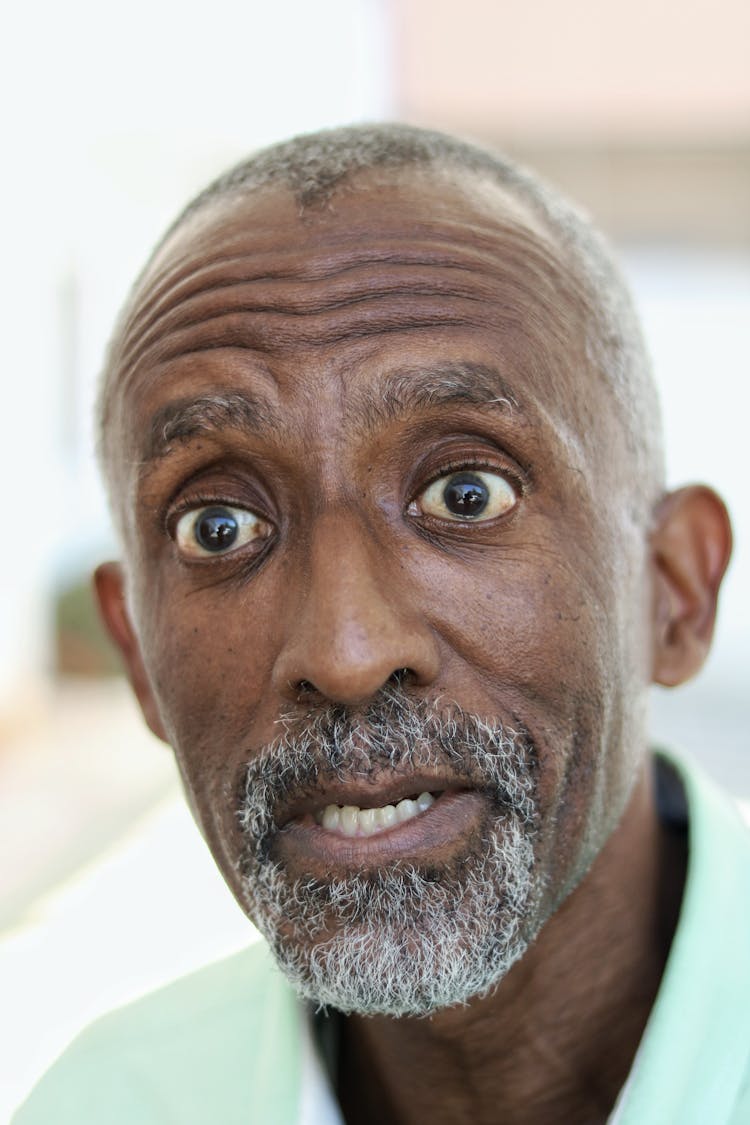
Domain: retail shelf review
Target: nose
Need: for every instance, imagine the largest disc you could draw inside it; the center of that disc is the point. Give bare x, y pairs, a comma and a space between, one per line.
352, 624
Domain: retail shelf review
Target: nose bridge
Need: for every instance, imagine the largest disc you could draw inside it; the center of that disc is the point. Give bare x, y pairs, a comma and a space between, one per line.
352, 628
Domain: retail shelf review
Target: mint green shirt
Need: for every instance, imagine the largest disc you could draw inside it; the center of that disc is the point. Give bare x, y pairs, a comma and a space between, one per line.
227, 1044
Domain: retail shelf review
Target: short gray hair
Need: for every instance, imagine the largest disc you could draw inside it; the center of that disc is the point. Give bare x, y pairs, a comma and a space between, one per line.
314, 165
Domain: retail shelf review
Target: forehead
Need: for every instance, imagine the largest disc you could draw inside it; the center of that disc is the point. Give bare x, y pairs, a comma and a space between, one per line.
394, 274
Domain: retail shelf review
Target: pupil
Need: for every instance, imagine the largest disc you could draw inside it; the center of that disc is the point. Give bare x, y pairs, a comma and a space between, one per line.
216, 529
466, 495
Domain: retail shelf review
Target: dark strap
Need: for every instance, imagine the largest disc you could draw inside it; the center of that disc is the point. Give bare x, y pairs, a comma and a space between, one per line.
671, 802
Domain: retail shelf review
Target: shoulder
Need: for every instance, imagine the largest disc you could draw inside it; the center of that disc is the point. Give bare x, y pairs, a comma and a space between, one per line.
693, 1064
717, 833
209, 1046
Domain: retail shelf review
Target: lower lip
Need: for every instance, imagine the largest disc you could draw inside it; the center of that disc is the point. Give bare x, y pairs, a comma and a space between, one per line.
432, 835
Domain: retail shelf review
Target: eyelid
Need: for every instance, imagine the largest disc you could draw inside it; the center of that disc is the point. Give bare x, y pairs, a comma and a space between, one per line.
217, 481
221, 498
518, 476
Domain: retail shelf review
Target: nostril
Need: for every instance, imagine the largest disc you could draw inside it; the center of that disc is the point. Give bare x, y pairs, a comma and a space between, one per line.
398, 679
304, 687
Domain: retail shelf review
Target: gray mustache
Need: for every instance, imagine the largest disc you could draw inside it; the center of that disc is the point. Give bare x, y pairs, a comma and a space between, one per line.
395, 733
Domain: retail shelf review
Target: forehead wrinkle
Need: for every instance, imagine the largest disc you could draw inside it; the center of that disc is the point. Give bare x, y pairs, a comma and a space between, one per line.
479, 252
536, 300
175, 286
362, 293
343, 247
530, 302
281, 332
178, 287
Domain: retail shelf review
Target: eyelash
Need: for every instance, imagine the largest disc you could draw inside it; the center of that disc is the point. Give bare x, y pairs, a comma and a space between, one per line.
206, 500
464, 464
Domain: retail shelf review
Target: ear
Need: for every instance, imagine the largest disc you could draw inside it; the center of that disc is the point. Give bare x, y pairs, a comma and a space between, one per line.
109, 587
691, 543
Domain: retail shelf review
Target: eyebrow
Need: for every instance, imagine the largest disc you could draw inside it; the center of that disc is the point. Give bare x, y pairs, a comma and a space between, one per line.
182, 420
400, 393
410, 389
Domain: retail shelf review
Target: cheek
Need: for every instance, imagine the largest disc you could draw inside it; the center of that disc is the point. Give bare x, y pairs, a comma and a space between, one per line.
207, 654
549, 637
531, 643
207, 657
525, 621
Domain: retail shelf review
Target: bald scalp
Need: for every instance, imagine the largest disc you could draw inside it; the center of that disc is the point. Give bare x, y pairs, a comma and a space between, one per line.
314, 167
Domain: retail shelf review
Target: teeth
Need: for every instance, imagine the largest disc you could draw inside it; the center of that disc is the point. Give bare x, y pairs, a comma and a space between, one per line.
353, 821
387, 816
366, 821
349, 817
406, 809
331, 817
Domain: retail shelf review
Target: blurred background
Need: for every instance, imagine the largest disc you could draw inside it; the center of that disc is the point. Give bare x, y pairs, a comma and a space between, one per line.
113, 117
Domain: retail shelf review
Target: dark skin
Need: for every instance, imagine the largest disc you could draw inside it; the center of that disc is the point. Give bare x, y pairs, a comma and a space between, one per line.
449, 303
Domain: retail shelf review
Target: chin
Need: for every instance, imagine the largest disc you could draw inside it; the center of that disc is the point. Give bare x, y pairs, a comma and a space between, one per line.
401, 941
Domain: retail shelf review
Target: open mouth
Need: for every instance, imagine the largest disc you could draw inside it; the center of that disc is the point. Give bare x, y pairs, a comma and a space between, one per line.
351, 820
393, 822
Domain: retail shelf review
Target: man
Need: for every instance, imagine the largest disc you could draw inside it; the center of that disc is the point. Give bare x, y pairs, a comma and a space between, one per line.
398, 568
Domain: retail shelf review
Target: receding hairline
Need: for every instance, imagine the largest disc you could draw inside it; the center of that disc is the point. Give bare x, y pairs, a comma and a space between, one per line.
483, 194
314, 167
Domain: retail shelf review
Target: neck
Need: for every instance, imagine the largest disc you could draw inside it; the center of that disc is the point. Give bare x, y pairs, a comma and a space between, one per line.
555, 1041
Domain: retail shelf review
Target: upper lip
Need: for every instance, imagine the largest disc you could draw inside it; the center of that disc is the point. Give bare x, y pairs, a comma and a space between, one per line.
384, 790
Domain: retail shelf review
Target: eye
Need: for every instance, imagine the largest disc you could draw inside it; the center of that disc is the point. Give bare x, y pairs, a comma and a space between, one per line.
217, 530
467, 495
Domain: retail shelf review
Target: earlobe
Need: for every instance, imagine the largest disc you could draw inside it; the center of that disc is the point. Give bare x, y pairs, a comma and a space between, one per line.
109, 587
691, 543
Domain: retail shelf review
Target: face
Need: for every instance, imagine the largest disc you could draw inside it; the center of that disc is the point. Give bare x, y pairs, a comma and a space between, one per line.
380, 556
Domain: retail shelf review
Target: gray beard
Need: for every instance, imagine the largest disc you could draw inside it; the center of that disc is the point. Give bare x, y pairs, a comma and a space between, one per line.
403, 939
